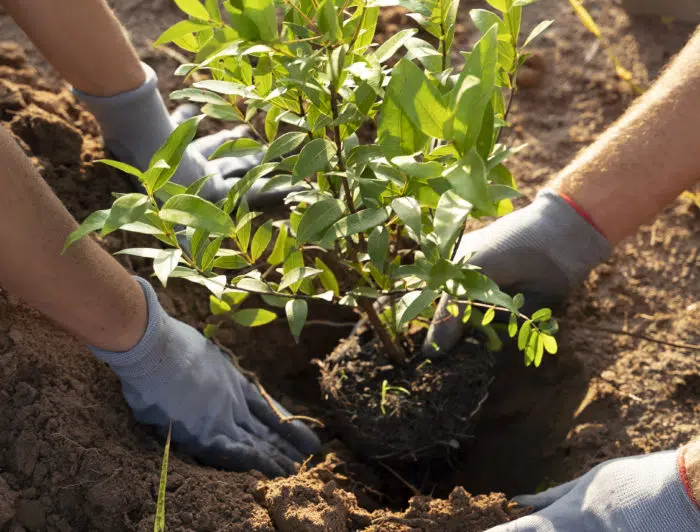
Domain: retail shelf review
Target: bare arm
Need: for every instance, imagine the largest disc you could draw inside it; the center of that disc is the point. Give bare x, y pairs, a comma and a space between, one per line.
83, 41
85, 290
646, 159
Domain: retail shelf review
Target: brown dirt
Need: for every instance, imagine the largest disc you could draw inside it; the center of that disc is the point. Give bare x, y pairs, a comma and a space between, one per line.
71, 458
431, 410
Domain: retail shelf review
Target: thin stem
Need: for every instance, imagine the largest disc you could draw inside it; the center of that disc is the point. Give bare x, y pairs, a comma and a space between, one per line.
392, 350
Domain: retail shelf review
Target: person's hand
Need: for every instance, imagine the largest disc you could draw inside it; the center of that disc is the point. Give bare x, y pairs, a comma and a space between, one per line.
635, 494
176, 375
136, 123
225, 171
542, 251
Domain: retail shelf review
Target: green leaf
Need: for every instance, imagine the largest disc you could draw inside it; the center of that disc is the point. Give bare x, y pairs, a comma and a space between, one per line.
171, 153
229, 259
484, 19
378, 246
279, 250
196, 212
209, 254
241, 187
123, 167
262, 14
411, 305
180, 29
317, 218
518, 300
296, 275
327, 20
193, 8
159, 524
467, 314
244, 219
216, 285
196, 187
357, 223
468, 180
93, 222
419, 99
550, 344
393, 43
450, 216
489, 315
218, 307
254, 317
524, 335
284, 144
542, 314
213, 9
126, 209
327, 278
165, 262
316, 156
261, 240
513, 325
397, 133
542, 26
408, 210
501, 5
470, 99
539, 349
199, 96
147, 253
296, 310
237, 148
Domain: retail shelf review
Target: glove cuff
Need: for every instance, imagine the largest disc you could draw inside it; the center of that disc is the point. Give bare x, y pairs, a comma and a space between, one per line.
134, 123
145, 356
577, 246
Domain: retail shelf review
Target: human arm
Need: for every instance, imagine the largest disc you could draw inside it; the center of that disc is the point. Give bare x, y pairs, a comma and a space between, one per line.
639, 165
648, 493
169, 371
102, 66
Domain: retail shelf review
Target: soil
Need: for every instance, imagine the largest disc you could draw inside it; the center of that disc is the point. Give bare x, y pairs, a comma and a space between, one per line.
71, 457
429, 409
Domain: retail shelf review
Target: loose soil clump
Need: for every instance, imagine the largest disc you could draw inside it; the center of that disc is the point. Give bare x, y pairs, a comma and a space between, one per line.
422, 408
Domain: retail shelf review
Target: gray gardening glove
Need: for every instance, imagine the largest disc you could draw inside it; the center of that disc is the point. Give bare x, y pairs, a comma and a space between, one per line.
176, 375
543, 251
635, 494
136, 123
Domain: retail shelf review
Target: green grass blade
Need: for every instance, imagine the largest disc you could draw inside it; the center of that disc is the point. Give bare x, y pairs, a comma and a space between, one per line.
159, 525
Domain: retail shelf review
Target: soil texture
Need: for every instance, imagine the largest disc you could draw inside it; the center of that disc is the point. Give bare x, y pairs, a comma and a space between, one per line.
72, 458
404, 411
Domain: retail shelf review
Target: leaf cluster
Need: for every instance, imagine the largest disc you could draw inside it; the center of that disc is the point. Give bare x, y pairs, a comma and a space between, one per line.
392, 149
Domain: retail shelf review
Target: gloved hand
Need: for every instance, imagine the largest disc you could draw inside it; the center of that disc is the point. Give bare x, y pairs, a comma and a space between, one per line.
136, 123
634, 494
543, 251
218, 416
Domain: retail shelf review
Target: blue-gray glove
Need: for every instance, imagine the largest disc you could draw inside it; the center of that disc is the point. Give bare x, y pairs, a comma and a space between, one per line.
543, 251
634, 494
136, 123
176, 375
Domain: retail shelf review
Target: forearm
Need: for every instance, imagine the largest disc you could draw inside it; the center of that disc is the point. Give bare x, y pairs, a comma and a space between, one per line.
83, 41
646, 159
85, 290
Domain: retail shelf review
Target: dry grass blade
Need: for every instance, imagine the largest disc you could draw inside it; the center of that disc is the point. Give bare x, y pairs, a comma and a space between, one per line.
590, 24
159, 525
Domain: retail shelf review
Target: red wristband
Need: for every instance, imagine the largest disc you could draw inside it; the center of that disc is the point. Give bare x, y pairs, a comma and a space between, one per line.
683, 472
580, 211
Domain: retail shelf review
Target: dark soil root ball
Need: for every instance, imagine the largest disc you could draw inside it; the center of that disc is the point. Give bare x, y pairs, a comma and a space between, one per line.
428, 407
